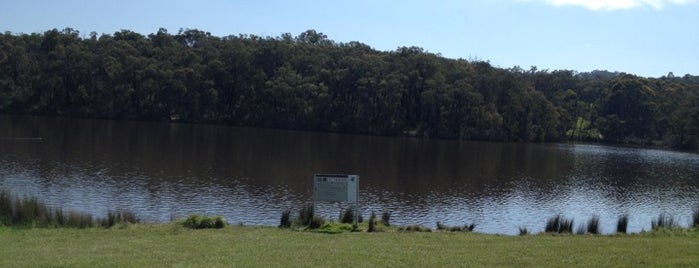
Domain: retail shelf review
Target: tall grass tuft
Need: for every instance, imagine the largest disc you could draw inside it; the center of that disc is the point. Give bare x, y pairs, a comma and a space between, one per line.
559, 224
372, 223
582, 228
386, 218
285, 221
79, 220
414, 228
30, 212
316, 222
5, 208
523, 231
204, 222
622, 223
593, 225
305, 216
465, 228
695, 217
119, 217
663, 221
347, 216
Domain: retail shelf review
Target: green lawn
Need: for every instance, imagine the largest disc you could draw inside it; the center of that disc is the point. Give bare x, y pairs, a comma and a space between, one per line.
167, 245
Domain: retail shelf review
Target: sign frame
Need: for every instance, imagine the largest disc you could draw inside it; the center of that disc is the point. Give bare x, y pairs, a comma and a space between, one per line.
337, 188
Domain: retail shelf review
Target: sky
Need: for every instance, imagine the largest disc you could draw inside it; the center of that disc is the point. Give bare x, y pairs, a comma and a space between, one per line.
644, 37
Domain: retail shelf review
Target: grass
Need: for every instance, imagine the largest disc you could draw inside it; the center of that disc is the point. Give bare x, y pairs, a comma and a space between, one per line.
523, 231
663, 221
622, 224
203, 222
285, 221
465, 228
386, 218
593, 225
30, 212
559, 224
166, 245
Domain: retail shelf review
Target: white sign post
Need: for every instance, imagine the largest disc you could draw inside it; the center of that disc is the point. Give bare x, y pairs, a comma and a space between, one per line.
337, 188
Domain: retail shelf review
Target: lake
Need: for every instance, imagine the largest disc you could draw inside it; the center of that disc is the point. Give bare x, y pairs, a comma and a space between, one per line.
163, 171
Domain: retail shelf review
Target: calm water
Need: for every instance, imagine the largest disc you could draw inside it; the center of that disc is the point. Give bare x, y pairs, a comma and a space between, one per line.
163, 171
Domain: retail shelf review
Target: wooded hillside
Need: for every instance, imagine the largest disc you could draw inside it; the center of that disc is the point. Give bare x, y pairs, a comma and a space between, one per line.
310, 82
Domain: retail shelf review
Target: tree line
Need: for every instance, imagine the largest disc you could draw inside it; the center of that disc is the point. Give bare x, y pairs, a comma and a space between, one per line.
309, 82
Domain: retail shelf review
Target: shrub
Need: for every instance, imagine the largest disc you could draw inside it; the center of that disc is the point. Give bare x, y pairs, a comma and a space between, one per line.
622, 223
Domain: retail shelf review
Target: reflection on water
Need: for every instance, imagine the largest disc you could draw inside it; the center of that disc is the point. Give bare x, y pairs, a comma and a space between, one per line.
162, 170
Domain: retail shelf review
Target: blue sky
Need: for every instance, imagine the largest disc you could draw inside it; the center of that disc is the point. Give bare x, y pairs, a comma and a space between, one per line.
644, 37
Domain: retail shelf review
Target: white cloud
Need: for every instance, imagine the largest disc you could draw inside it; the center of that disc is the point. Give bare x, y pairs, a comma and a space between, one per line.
618, 4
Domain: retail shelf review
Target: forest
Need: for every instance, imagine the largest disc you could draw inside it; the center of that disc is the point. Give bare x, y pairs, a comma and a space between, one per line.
310, 82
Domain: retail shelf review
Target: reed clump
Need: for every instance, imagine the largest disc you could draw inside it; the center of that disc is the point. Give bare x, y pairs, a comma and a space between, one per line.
465, 228
204, 222
523, 231
559, 224
386, 218
622, 223
308, 219
285, 221
347, 216
414, 228
663, 221
695, 217
372, 223
30, 212
593, 226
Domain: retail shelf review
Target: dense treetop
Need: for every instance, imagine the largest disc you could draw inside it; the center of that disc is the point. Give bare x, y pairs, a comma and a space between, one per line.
310, 82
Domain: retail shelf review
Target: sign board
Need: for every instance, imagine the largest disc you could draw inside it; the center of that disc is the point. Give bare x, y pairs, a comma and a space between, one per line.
335, 188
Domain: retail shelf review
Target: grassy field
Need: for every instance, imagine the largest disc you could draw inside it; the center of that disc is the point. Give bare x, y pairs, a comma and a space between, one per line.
170, 245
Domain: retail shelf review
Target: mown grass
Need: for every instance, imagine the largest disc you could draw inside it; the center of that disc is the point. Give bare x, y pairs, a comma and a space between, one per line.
167, 245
